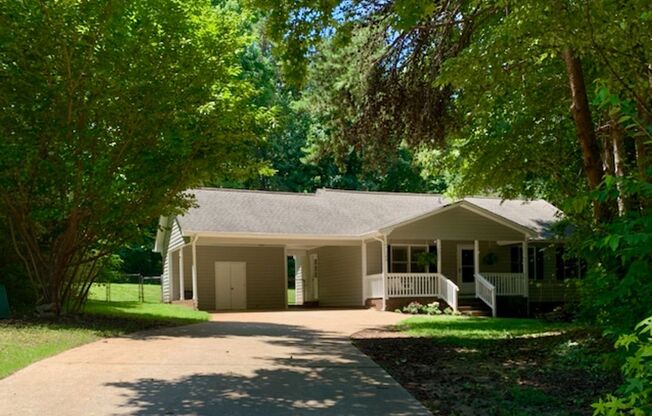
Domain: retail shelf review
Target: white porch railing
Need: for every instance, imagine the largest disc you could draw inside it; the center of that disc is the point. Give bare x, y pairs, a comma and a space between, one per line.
403, 285
486, 292
373, 286
507, 284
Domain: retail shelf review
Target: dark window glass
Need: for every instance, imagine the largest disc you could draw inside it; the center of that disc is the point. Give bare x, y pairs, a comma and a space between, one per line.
516, 260
415, 253
433, 265
540, 261
467, 266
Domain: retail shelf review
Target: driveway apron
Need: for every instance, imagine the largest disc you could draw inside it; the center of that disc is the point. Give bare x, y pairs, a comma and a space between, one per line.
250, 363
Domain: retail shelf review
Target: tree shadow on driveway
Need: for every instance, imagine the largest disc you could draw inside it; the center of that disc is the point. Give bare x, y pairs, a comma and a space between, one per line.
291, 370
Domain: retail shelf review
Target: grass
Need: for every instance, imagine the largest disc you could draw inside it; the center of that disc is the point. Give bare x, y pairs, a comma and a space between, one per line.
125, 292
464, 330
291, 297
25, 341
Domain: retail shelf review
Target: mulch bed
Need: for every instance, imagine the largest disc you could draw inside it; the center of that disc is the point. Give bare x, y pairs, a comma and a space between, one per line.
518, 376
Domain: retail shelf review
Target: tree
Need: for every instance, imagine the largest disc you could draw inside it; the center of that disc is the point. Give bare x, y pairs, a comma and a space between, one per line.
435, 65
109, 111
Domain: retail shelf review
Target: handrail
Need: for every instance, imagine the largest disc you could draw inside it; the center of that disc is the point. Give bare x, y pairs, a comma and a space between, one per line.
422, 285
486, 292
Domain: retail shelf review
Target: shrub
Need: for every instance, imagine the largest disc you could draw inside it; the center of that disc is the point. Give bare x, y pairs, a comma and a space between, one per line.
413, 308
431, 309
634, 397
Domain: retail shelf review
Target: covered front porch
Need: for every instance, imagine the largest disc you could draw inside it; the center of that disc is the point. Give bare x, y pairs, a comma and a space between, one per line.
452, 270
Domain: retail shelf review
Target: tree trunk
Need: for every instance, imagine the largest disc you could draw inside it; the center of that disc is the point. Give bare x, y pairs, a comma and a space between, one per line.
625, 202
585, 130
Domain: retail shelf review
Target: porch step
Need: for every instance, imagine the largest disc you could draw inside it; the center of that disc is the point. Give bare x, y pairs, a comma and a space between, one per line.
473, 307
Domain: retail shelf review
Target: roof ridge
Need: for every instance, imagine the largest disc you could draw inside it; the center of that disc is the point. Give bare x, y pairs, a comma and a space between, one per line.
358, 191
258, 191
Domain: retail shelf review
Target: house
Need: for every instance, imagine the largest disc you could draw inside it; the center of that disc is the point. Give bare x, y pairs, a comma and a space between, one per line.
354, 249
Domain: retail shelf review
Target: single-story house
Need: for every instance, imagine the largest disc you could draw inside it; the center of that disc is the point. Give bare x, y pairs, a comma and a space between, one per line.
354, 249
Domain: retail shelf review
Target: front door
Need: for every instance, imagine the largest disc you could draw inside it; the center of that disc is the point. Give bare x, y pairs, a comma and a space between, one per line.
230, 285
465, 269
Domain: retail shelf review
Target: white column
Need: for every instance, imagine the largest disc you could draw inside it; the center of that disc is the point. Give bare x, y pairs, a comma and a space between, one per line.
439, 256
181, 283
363, 256
526, 276
285, 273
170, 276
384, 269
194, 272
476, 257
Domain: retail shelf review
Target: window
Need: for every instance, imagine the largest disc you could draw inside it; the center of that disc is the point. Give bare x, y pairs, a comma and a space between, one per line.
400, 259
415, 252
405, 259
567, 267
535, 261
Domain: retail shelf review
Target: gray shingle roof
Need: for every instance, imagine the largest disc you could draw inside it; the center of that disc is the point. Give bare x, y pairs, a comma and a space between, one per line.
334, 212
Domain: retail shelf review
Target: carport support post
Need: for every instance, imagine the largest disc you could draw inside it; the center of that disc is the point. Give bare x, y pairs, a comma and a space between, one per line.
194, 273
170, 276
363, 255
181, 288
384, 269
526, 276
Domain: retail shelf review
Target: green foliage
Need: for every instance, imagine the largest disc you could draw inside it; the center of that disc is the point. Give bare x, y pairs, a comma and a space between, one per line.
433, 308
635, 396
108, 112
616, 291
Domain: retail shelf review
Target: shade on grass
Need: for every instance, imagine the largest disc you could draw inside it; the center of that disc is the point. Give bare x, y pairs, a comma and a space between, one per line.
462, 329
23, 342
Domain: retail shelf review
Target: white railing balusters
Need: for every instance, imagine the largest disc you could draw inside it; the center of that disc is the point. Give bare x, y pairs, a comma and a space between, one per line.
507, 284
486, 292
417, 285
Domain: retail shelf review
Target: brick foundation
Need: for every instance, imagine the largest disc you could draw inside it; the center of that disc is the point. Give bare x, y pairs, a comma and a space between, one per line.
189, 303
398, 303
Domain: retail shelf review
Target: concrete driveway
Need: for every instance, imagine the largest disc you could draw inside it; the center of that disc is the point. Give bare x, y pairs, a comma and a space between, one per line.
254, 363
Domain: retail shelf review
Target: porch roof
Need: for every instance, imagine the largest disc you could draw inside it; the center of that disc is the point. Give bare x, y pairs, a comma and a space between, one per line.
339, 214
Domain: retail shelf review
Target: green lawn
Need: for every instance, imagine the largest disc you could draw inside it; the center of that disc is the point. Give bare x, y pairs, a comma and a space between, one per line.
463, 330
291, 297
25, 341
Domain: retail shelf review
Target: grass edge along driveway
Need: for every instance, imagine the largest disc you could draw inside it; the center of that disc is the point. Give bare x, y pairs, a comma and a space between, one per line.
25, 341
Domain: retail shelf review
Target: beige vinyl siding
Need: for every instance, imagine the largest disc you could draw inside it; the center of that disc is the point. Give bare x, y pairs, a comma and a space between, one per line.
171, 290
456, 224
374, 257
340, 275
265, 274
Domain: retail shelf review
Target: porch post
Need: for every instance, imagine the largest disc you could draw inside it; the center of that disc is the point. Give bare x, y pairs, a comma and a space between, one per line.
363, 256
384, 268
476, 257
439, 256
181, 288
526, 276
194, 273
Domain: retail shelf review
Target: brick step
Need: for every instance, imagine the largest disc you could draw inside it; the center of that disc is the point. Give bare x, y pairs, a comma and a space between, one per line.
473, 307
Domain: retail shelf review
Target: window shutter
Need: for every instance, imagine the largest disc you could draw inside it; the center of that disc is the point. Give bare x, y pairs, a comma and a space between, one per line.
516, 263
432, 268
540, 259
389, 258
559, 263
